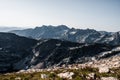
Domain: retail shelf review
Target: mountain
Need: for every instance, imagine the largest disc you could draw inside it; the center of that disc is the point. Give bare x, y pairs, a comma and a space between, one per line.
43, 32
17, 53
71, 34
7, 29
52, 52
12, 49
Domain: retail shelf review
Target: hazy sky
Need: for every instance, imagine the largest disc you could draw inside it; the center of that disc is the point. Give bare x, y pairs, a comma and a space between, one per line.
97, 14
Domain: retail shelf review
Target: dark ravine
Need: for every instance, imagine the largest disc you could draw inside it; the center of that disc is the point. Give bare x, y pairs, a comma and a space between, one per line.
71, 34
18, 52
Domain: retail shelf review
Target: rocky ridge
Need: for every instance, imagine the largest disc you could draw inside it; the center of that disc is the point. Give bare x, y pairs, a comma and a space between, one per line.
63, 32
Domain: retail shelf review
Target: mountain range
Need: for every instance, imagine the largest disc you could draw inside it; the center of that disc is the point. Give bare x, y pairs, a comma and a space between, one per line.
63, 32
7, 29
17, 52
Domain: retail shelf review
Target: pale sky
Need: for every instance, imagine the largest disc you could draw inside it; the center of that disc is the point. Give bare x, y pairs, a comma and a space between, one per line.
95, 14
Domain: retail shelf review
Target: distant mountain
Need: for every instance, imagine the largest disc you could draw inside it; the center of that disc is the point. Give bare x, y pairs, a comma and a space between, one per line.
18, 53
6, 29
71, 34
43, 32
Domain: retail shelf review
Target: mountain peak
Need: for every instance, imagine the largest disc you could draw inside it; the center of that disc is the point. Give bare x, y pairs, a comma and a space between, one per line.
63, 26
50, 26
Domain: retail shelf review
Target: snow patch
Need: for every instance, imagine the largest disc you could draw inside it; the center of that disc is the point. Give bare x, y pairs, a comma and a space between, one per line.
116, 49
58, 44
73, 32
0, 48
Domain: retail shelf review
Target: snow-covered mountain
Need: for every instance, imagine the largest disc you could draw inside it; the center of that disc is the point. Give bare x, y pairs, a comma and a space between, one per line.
71, 34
